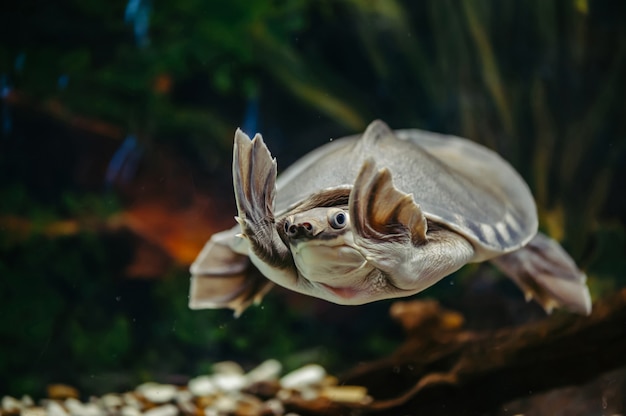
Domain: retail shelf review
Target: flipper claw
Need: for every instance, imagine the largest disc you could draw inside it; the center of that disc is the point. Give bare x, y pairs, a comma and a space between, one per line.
546, 273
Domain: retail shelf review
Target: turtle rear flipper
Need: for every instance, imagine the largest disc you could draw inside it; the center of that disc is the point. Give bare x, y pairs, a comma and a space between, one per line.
223, 278
545, 272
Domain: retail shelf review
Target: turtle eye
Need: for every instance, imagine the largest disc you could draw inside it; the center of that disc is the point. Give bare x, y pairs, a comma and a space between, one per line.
338, 220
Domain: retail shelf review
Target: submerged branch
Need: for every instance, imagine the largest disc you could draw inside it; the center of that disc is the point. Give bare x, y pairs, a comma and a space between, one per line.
442, 369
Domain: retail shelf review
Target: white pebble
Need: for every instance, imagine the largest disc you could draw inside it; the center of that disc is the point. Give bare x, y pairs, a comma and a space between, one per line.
132, 401
77, 408
92, 409
267, 370
307, 393
202, 386
27, 400
33, 411
275, 406
184, 400
130, 411
209, 411
110, 401
224, 404
183, 396
229, 382
157, 393
227, 367
284, 395
11, 404
165, 410
53, 408
305, 376
74, 406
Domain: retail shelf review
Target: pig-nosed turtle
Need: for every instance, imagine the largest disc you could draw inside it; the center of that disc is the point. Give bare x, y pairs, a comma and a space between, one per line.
379, 216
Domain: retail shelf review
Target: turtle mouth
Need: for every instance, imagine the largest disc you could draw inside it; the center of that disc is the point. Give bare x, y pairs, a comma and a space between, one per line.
342, 292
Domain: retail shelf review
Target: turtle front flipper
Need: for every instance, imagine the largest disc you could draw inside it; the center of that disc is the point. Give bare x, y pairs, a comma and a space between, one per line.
382, 212
545, 272
390, 231
254, 180
223, 278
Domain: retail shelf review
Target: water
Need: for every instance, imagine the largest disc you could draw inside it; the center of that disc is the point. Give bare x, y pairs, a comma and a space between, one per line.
115, 168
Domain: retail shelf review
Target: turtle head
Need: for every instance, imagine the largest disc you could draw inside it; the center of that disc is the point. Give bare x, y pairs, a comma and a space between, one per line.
323, 249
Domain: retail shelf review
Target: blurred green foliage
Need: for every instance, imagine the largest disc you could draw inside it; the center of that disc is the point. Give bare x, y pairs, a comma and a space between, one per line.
540, 82
68, 315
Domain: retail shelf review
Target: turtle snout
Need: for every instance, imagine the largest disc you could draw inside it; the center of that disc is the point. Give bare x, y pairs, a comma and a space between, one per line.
295, 230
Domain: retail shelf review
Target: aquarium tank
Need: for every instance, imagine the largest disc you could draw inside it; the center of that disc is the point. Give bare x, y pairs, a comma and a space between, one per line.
117, 121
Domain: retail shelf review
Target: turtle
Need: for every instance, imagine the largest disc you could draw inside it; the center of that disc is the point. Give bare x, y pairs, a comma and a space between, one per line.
384, 214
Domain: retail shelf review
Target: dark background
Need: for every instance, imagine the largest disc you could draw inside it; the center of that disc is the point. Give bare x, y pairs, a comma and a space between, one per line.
115, 148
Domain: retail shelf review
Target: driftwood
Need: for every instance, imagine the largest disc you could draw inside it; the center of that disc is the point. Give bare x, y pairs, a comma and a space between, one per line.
442, 369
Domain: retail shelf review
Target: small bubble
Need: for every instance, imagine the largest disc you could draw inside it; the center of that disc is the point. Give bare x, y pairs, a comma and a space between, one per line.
118, 298
451, 282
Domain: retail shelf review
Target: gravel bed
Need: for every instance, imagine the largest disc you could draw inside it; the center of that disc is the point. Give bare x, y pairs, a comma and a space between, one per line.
228, 390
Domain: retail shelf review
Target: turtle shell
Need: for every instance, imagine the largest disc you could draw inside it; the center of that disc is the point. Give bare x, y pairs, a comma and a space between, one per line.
458, 184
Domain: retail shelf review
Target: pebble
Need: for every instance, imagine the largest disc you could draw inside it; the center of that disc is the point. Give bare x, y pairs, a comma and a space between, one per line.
74, 406
131, 400
11, 404
224, 404
157, 393
275, 406
346, 394
202, 386
130, 411
165, 410
308, 393
61, 391
308, 375
229, 381
249, 405
184, 400
54, 408
227, 367
33, 411
110, 401
267, 370
77, 408
227, 391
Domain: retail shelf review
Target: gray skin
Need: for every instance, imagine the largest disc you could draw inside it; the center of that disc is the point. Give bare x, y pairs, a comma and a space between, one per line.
382, 215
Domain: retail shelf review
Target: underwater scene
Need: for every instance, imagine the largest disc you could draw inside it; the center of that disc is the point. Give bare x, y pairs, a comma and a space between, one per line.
461, 252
